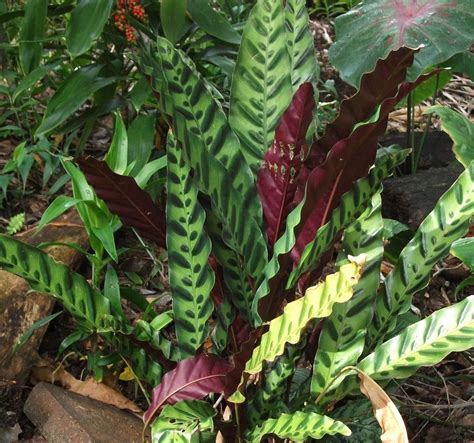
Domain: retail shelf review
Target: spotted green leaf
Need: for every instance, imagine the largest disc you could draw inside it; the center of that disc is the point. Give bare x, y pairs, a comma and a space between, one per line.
268, 400
188, 245
188, 421
89, 307
298, 426
212, 151
304, 66
261, 86
448, 222
44, 274
317, 302
342, 338
235, 281
424, 343
188, 94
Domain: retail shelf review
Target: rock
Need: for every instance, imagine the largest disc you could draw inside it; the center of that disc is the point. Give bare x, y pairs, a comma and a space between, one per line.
410, 198
64, 417
437, 150
21, 308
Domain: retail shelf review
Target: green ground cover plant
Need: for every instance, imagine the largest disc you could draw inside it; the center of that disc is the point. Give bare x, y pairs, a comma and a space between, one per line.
260, 340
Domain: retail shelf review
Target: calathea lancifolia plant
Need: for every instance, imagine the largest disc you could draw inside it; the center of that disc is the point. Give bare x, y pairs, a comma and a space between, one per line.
254, 209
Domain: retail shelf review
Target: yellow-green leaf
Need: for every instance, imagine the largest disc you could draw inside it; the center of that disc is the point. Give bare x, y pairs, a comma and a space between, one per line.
317, 302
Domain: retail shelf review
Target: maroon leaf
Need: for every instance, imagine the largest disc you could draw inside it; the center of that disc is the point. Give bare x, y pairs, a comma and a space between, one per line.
240, 358
347, 161
192, 379
331, 176
126, 199
277, 179
375, 87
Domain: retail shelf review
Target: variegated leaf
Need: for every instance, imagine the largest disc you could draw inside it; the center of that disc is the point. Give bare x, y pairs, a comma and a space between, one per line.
424, 343
191, 277
261, 85
448, 221
211, 150
342, 338
298, 426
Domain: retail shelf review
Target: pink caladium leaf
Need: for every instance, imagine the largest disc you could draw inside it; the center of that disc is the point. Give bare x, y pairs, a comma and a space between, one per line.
193, 379
371, 30
277, 179
126, 199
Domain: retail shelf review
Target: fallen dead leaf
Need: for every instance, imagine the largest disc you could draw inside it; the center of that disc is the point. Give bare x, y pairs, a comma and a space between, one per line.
45, 372
385, 411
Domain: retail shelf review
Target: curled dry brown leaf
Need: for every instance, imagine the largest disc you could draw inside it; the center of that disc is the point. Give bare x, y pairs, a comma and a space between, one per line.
45, 372
385, 411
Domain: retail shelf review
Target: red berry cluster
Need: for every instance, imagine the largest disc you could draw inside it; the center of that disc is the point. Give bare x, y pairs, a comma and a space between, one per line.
132, 7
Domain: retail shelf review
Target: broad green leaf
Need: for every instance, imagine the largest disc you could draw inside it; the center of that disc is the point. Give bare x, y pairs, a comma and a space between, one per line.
72, 338
97, 220
424, 343
88, 19
150, 169
141, 136
191, 277
463, 62
34, 327
448, 222
460, 129
304, 66
59, 206
101, 224
32, 33
32, 78
317, 302
261, 84
213, 23
71, 95
372, 29
428, 89
355, 200
464, 250
469, 281
173, 19
117, 155
342, 338
212, 151
298, 426
140, 93
186, 421
393, 227
112, 291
